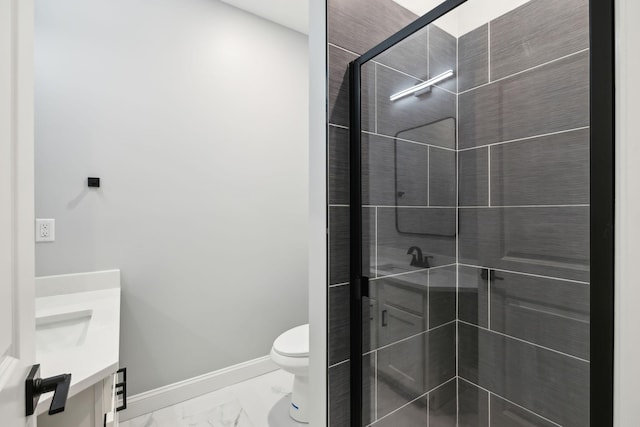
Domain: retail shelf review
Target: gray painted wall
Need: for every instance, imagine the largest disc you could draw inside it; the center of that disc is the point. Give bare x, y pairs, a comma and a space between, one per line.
194, 114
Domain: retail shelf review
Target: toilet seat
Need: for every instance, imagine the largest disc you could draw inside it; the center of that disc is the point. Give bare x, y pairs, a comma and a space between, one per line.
293, 343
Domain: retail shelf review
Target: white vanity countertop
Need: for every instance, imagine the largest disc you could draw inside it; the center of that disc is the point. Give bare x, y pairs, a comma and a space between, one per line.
95, 355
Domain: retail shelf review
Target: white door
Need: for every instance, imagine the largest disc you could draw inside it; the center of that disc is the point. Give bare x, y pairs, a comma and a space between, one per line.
17, 319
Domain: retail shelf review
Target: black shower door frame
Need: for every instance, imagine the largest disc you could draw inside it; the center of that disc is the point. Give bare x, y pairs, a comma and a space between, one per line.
602, 190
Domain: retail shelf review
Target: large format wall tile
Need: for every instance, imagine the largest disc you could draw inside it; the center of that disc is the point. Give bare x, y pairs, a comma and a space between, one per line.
443, 56
473, 404
431, 230
537, 32
427, 118
399, 308
505, 414
443, 405
547, 99
414, 366
442, 177
338, 385
394, 172
340, 411
550, 241
408, 56
473, 58
442, 295
473, 176
339, 334
473, 295
414, 414
547, 383
368, 91
550, 170
339, 85
338, 244
548, 312
359, 25
338, 165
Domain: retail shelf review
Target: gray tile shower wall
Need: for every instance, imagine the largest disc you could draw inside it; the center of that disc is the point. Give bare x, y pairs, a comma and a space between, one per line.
523, 273
550, 384
505, 236
551, 98
537, 32
410, 153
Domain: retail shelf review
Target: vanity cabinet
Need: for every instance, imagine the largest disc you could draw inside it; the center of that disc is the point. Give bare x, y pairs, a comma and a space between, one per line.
92, 407
401, 313
85, 307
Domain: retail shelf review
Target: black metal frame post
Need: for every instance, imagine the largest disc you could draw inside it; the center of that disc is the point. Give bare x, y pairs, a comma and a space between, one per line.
602, 185
355, 242
602, 210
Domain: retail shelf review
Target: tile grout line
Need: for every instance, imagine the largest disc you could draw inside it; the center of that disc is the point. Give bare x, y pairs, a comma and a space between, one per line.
527, 70
577, 205
395, 138
526, 342
376, 240
421, 270
375, 388
409, 338
342, 362
344, 49
428, 176
526, 274
414, 400
375, 97
335, 285
525, 138
408, 207
428, 409
489, 176
457, 171
489, 410
338, 126
508, 401
457, 177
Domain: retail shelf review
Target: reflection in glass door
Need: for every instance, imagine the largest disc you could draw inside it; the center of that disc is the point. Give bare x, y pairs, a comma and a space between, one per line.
472, 219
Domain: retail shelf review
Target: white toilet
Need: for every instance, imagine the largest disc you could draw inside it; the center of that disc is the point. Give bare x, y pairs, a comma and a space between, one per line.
290, 351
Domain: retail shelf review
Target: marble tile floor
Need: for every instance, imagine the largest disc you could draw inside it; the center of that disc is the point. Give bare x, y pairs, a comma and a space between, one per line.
259, 402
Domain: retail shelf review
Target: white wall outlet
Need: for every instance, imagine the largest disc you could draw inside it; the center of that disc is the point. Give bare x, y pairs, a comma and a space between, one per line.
45, 230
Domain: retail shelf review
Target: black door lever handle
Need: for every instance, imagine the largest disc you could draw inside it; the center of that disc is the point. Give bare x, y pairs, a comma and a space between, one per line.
36, 386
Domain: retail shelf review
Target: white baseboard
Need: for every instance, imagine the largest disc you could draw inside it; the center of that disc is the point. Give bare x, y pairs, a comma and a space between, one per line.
153, 400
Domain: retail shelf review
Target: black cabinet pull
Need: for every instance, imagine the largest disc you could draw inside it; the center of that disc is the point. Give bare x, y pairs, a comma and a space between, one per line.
36, 386
385, 316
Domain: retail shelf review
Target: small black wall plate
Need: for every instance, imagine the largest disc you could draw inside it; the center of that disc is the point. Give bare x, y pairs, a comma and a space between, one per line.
93, 182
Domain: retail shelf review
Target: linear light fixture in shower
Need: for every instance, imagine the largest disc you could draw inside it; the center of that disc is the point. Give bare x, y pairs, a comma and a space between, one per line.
421, 86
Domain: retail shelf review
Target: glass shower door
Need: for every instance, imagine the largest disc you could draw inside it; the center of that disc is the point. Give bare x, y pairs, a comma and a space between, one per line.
470, 219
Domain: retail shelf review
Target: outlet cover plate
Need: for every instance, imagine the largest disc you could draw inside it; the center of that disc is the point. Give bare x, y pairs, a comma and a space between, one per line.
45, 230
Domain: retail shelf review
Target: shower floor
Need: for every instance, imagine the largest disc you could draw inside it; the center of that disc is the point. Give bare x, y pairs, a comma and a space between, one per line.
259, 402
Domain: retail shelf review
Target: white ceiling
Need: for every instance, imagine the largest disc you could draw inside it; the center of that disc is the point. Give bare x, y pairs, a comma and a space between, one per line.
293, 14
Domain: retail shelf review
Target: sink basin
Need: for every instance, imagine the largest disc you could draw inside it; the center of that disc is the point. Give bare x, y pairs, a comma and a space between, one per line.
62, 331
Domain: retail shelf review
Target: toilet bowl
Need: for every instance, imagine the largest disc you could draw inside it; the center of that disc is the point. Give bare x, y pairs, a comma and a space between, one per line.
290, 352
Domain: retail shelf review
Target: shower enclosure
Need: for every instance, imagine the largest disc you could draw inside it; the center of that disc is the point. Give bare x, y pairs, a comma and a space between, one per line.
481, 217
